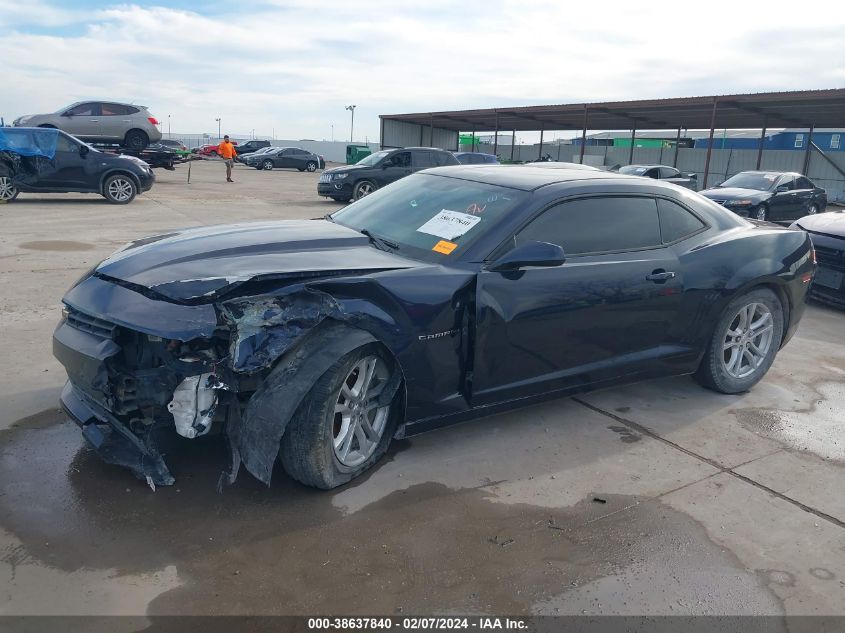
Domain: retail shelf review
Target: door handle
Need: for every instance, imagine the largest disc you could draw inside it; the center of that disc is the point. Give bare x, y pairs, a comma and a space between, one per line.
659, 276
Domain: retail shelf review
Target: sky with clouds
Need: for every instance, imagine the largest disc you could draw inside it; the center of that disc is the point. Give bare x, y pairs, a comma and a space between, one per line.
290, 66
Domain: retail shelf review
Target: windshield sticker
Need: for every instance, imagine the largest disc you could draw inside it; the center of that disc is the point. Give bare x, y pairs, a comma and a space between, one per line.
449, 224
444, 247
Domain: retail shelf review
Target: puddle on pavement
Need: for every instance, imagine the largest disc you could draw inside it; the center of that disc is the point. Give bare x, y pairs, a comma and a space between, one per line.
56, 245
817, 430
287, 549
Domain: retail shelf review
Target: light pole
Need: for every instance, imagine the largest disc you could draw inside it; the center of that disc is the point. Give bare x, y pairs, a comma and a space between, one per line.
351, 108
168, 125
332, 133
218, 127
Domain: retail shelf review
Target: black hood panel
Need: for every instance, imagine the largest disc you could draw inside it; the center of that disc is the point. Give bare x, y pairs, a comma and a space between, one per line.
736, 193
198, 263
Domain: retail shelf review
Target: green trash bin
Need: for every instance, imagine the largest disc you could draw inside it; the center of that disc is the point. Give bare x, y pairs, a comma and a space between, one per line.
354, 153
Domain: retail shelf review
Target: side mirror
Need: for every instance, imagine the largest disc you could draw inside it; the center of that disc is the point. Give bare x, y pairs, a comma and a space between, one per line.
540, 254
782, 189
692, 176
83, 150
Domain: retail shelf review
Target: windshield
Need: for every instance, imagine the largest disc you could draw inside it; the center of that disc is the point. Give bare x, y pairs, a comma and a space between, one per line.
372, 159
432, 218
633, 170
752, 180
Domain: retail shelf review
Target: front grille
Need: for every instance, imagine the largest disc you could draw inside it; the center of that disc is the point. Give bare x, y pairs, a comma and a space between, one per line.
325, 177
830, 258
90, 324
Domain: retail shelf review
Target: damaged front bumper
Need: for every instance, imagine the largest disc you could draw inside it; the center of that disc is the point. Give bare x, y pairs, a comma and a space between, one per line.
113, 441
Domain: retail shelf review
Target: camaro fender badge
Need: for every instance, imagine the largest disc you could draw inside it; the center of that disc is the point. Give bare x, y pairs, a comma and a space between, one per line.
429, 337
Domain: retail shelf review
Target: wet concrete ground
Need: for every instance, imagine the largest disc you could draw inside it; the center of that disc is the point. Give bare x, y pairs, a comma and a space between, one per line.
655, 498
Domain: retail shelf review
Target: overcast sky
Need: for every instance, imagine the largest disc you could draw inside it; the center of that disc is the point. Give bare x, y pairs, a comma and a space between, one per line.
292, 65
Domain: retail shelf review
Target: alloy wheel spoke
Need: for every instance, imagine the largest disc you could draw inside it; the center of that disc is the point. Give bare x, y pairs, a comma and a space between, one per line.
732, 363
346, 443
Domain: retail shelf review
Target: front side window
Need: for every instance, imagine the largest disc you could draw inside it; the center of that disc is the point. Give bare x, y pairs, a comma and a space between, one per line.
429, 217
595, 225
401, 159
84, 109
64, 144
788, 182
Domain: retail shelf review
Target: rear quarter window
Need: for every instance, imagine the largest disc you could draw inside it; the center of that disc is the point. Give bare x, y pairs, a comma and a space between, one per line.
675, 221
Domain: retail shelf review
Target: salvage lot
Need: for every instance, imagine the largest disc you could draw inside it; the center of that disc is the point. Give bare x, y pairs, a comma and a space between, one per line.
657, 498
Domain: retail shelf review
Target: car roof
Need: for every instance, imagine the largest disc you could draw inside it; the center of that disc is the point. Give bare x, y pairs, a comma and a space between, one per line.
472, 154
770, 171
524, 177
648, 166
428, 149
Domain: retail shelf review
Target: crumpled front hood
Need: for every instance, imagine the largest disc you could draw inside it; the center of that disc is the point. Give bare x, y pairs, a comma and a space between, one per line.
193, 264
830, 223
735, 193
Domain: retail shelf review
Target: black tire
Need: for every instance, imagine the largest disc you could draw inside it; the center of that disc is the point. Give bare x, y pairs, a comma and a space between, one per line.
713, 372
363, 188
761, 213
136, 140
8, 191
119, 189
310, 166
812, 209
307, 449
267, 165
300, 169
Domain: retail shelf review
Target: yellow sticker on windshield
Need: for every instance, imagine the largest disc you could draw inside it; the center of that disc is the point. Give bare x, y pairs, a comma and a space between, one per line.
444, 247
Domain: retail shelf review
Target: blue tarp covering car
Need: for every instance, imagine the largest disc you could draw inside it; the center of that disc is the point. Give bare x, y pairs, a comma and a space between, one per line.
29, 141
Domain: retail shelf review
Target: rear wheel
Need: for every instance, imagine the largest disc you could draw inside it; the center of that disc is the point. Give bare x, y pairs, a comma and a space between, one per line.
136, 139
344, 425
362, 189
744, 343
119, 189
8, 191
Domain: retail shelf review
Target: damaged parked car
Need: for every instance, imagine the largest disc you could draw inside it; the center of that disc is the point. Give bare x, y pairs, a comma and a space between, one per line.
38, 160
827, 231
452, 294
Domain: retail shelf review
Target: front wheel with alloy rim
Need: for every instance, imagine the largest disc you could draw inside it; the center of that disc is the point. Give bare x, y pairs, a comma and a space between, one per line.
8, 191
744, 343
362, 189
267, 165
762, 213
311, 166
119, 189
345, 423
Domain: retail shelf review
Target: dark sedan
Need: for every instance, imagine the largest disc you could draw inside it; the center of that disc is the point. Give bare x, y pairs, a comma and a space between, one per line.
285, 157
827, 230
769, 195
448, 295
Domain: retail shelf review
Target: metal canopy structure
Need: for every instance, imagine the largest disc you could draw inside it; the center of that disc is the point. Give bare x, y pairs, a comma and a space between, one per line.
802, 109
809, 108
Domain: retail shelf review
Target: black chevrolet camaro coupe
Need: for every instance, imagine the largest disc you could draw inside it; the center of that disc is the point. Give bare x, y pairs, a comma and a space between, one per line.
454, 293
769, 195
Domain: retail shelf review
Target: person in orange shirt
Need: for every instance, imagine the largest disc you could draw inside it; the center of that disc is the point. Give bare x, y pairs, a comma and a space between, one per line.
228, 152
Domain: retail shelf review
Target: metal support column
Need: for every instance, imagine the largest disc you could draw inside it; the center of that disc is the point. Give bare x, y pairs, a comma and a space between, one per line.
677, 147
496, 136
473, 138
633, 140
710, 142
431, 131
381, 134
762, 142
513, 143
542, 129
583, 136
809, 147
